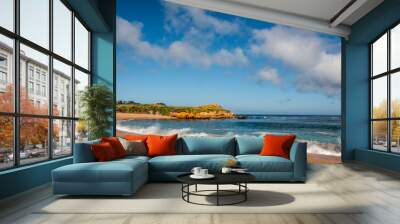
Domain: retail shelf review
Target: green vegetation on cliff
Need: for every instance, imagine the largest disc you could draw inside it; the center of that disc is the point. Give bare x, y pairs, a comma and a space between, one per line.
211, 111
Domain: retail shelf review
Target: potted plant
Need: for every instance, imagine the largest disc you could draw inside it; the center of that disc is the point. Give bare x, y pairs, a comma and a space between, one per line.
96, 103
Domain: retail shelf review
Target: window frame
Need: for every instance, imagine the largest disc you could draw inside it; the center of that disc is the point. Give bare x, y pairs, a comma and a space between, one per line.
388, 74
16, 114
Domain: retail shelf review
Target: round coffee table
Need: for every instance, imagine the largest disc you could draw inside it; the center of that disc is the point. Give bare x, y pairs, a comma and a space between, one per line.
238, 179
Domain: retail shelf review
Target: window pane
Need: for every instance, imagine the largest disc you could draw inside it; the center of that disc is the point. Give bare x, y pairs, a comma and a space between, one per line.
33, 139
395, 136
7, 14
62, 138
81, 45
81, 131
395, 94
62, 89
6, 74
6, 142
34, 97
379, 100
62, 29
379, 55
395, 47
379, 135
81, 82
35, 21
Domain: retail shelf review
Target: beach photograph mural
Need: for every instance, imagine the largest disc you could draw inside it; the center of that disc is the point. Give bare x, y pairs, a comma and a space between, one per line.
195, 72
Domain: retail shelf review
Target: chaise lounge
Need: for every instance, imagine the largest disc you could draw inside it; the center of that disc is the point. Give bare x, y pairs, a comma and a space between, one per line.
125, 176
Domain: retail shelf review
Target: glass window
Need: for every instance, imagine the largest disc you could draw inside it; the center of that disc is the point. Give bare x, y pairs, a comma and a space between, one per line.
6, 75
7, 14
40, 62
6, 142
395, 47
395, 136
379, 56
62, 137
30, 71
33, 140
34, 21
81, 82
62, 72
30, 87
379, 100
395, 95
379, 135
81, 45
81, 131
62, 29
384, 80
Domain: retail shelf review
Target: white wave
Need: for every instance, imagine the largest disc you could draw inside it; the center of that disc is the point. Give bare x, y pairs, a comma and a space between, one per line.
323, 149
153, 129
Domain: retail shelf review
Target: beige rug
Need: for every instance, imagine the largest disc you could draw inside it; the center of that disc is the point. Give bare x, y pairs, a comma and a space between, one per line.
166, 198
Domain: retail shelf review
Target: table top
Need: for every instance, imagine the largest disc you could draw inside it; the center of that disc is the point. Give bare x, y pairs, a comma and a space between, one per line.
220, 178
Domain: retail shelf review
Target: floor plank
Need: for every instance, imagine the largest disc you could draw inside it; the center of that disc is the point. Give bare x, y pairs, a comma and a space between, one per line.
377, 190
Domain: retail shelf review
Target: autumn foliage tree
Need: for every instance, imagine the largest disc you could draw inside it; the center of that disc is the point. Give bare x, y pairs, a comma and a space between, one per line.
380, 127
33, 131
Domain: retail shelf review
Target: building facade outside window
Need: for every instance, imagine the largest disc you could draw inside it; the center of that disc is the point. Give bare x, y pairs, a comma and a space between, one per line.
45, 120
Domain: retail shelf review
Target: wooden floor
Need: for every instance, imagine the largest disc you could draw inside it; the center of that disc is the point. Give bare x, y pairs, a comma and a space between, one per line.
378, 189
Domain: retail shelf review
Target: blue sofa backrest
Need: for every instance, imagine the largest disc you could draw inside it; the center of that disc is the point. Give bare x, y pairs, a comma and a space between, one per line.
191, 145
249, 145
83, 152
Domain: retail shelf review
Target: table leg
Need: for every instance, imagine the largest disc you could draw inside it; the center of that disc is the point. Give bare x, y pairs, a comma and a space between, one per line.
217, 194
195, 188
245, 193
188, 190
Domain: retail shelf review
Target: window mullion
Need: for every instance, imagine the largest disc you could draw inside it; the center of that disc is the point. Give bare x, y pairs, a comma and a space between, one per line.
389, 104
16, 85
50, 81
73, 81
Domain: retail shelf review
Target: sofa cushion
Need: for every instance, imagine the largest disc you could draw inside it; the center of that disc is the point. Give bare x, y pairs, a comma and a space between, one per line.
277, 145
185, 163
103, 152
159, 145
257, 163
190, 145
116, 145
248, 145
112, 171
134, 147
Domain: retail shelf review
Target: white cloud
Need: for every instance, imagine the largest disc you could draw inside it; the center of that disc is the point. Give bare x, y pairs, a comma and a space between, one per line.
319, 70
179, 52
180, 18
269, 74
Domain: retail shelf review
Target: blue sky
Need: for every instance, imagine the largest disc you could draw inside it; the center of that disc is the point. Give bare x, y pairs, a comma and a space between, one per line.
181, 55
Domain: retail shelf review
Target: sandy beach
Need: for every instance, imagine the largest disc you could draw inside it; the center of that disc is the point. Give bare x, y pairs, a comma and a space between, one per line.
132, 116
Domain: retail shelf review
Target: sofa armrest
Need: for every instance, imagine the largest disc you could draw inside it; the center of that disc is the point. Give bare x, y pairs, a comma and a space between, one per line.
83, 152
298, 155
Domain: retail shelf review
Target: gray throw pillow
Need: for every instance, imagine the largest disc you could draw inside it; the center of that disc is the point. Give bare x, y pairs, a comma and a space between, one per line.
137, 148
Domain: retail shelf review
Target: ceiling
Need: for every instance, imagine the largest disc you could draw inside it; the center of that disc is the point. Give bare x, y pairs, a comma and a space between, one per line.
326, 16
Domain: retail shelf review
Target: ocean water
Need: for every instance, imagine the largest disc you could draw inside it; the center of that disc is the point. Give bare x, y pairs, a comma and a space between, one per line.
323, 131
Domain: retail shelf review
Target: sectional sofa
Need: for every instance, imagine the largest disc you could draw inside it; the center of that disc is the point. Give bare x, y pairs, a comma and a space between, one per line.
125, 176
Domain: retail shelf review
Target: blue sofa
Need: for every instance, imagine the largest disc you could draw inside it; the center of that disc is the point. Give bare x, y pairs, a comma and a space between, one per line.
125, 176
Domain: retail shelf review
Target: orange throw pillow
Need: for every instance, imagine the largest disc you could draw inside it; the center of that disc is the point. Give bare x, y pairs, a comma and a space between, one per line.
136, 137
277, 145
158, 145
103, 152
116, 145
